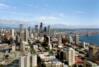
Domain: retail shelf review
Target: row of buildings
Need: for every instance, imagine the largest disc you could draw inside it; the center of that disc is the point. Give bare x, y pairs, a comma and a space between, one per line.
42, 47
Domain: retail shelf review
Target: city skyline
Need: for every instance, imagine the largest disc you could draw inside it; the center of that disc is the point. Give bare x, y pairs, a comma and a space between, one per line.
81, 13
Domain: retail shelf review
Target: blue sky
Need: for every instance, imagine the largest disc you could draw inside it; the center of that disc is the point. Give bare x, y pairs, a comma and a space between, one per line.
68, 12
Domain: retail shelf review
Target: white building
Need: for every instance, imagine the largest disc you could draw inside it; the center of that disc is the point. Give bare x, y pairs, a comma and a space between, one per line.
49, 43
13, 33
34, 60
71, 39
25, 60
26, 35
86, 45
22, 61
60, 45
28, 60
56, 63
77, 39
69, 55
13, 48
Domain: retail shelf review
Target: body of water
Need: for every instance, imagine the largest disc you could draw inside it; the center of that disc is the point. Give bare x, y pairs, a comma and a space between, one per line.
91, 39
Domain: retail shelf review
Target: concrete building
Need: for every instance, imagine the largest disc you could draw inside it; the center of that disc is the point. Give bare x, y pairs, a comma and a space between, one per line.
21, 32
48, 64
60, 45
86, 45
13, 47
34, 60
48, 29
56, 63
28, 60
71, 39
36, 29
69, 55
49, 43
25, 60
13, 33
41, 27
26, 37
77, 39
22, 61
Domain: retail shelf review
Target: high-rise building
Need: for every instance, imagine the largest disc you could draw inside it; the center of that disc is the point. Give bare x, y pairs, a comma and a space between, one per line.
36, 29
71, 39
45, 29
26, 37
48, 29
13, 33
60, 45
22, 61
71, 56
77, 39
30, 31
28, 60
13, 47
41, 27
49, 43
21, 27
25, 60
34, 60
21, 32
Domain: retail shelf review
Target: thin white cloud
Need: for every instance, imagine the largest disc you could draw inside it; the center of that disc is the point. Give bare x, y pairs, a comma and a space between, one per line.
80, 12
12, 21
61, 14
6, 6
3, 5
47, 18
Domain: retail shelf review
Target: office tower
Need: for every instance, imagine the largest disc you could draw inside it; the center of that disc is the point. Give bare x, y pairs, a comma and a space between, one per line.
71, 56
18, 38
21, 32
34, 60
26, 37
48, 29
22, 46
21, 27
13, 33
30, 31
49, 43
60, 45
41, 27
45, 29
36, 29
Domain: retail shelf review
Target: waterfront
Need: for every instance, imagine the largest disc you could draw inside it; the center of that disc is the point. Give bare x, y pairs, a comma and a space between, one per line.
91, 39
